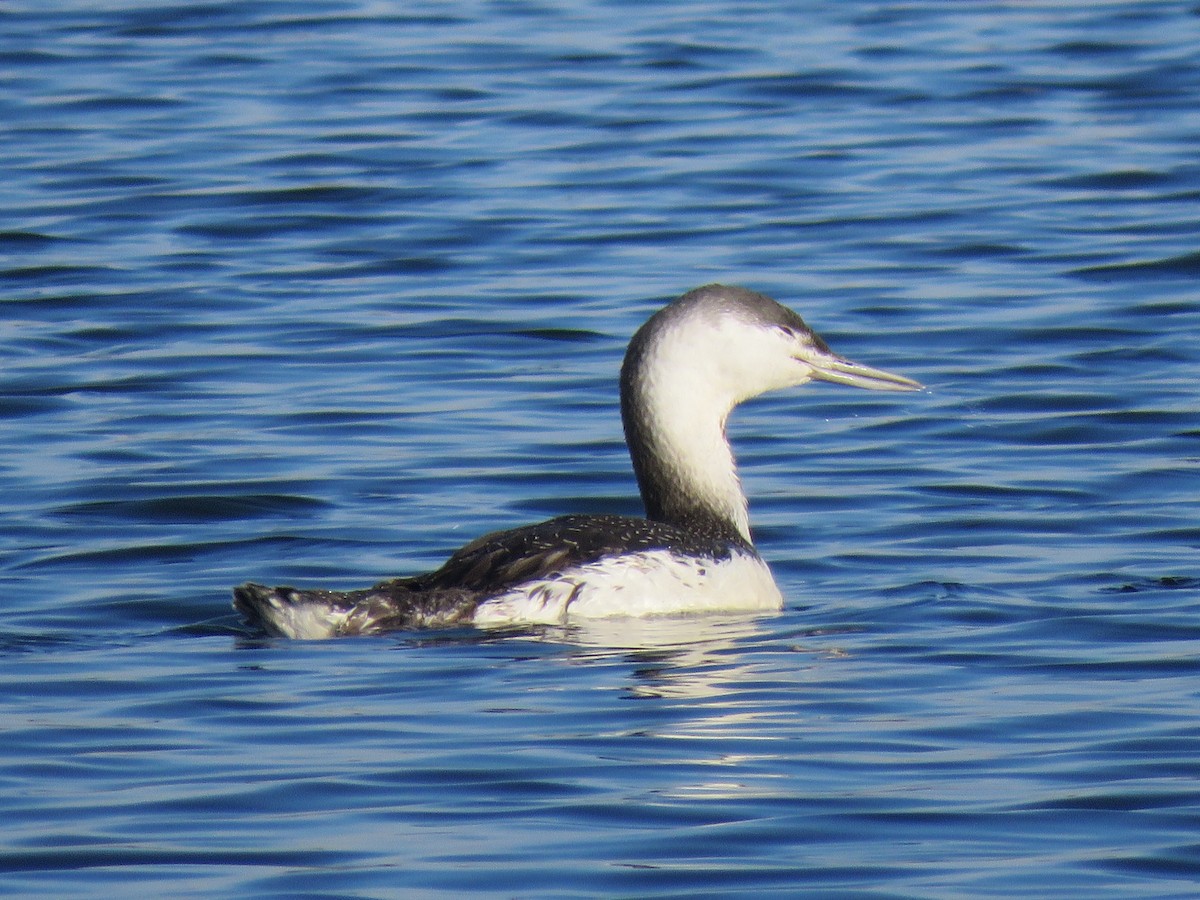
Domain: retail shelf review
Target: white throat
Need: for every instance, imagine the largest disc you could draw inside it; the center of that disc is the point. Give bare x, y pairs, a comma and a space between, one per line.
688, 415
680, 391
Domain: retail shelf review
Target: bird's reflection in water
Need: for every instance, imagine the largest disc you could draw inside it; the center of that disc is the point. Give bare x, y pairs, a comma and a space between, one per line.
681, 657
700, 683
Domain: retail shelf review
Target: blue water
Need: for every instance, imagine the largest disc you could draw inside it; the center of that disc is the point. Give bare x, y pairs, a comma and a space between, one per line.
317, 292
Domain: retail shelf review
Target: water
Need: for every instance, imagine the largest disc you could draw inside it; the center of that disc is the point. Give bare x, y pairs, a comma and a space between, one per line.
316, 292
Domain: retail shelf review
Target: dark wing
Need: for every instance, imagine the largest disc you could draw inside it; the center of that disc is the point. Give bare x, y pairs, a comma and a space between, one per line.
496, 561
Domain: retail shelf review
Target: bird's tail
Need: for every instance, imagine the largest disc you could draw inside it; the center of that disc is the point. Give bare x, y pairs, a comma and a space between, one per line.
287, 612
315, 614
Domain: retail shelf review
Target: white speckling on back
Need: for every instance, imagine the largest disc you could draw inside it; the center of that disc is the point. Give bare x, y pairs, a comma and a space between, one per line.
649, 583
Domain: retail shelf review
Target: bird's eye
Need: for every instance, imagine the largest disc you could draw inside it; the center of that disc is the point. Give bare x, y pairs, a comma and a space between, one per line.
787, 332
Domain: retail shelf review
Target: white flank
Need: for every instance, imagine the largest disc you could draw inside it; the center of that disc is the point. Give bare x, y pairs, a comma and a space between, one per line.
649, 583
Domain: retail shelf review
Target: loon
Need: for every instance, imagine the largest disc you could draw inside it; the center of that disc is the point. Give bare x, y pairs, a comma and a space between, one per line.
685, 370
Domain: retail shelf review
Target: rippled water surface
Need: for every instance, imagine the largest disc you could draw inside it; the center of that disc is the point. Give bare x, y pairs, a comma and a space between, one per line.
316, 292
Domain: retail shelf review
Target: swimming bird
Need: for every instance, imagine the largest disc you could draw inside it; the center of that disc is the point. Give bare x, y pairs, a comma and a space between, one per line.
685, 370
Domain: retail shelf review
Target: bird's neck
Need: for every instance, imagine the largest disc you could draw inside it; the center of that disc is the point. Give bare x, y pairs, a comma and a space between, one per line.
675, 427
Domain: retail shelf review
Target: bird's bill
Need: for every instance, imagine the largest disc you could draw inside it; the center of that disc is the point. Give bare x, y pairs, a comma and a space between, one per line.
843, 371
